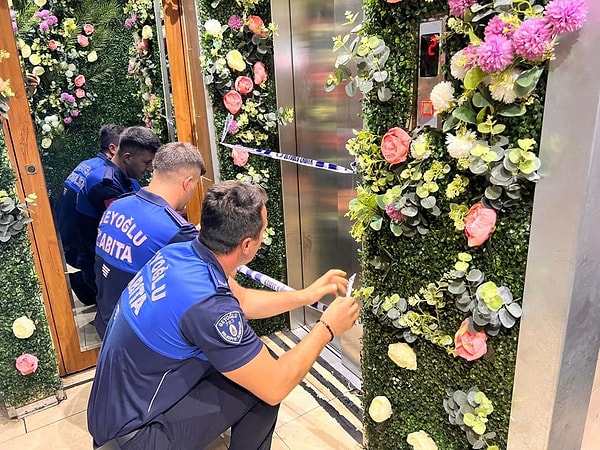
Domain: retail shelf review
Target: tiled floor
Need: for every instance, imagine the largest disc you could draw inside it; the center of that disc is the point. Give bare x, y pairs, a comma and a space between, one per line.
309, 418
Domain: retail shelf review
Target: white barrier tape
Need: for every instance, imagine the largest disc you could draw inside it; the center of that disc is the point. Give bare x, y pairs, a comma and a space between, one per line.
274, 285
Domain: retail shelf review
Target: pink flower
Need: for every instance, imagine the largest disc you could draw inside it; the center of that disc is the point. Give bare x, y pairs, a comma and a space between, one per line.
244, 85
233, 127
497, 26
26, 364
393, 1
75, 113
52, 45
235, 22
479, 224
52, 20
260, 73
470, 54
88, 28
67, 120
83, 40
469, 345
495, 53
256, 25
532, 39
79, 93
141, 45
240, 157
395, 145
458, 7
394, 213
79, 80
566, 15
232, 101
44, 26
129, 22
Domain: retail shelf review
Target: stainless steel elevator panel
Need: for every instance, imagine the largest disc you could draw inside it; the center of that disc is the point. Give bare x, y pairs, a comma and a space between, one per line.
315, 200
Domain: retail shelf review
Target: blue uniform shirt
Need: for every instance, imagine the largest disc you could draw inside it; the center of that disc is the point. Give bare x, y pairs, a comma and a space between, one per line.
130, 232
176, 322
65, 209
101, 188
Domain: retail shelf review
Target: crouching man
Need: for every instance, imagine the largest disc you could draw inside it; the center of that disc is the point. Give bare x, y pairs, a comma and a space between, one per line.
179, 364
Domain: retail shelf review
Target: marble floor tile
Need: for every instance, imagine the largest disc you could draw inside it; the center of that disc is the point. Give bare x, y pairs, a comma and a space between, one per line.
9, 428
297, 403
76, 402
67, 434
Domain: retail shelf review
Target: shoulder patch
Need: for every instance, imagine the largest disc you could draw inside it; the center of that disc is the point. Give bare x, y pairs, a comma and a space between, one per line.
230, 327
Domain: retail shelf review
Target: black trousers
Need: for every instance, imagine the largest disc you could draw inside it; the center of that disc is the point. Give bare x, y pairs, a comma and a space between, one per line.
212, 407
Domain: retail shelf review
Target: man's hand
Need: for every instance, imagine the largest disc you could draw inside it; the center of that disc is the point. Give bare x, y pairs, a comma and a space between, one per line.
341, 314
332, 282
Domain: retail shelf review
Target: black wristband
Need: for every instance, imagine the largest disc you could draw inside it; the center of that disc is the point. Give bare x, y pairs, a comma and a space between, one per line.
328, 329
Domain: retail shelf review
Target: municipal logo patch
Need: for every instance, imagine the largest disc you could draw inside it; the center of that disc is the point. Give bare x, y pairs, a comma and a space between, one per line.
230, 327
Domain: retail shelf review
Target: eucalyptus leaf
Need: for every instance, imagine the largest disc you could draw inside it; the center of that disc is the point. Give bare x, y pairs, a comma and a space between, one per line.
410, 211
342, 59
515, 310
479, 100
428, 202
512, 111
475, 276
396, 228
474, 77
384, 94
449, 124
460, 397
380, 76
393, 313
465, 113
376, 224
493, 192
506, 319
351, 87
409, 337
457, 287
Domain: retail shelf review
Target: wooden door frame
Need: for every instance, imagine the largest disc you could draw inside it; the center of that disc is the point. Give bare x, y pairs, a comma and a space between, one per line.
181, 34
25, 158
187, 85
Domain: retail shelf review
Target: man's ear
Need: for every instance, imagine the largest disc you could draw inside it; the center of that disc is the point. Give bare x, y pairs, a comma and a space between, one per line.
245, 245
126, 157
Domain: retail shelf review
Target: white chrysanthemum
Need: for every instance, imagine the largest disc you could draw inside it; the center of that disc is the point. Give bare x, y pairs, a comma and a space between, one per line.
502, 85
213, 27
419, 147
442, 96
457, 66
460, 146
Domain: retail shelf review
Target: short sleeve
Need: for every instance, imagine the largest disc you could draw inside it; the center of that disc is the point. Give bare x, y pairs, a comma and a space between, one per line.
218, 327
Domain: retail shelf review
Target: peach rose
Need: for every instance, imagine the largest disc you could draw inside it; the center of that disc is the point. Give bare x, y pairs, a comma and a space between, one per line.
83, 40
79, 93
52, 45
244, 85
26, 364
469, 345
479, 224
403, 355
88, 28
240, 157
256, 25
79, 80
232, 101
260, 73
395, 145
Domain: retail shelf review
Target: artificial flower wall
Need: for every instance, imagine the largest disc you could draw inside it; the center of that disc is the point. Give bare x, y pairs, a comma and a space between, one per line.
444, 215
237, 62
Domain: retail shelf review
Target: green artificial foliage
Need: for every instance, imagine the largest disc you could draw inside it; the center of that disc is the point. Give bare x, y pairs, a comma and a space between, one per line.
22, 296
271, 258
116, 102
400, 265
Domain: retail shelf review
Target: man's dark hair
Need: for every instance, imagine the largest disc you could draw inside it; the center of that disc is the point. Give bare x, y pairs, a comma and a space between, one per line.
231, 212
137, 139
109, 134
176, 156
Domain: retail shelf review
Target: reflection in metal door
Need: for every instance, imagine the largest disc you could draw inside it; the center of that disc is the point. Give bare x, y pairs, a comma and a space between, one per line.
316, 201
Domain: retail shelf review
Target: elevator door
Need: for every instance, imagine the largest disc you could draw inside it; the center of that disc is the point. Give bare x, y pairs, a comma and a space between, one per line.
315, 200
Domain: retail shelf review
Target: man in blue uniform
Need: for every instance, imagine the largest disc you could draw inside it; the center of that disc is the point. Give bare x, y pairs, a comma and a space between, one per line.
137, 146
179, 364
66, 214
135, 227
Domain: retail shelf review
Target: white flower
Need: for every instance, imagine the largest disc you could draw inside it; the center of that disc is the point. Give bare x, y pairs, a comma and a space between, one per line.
92, 56
419, 147
460, 146
23, 327
38, 71
213, 27
421, 441
46, 128
380, 408
457, 67
46, 142
502, 85
442, 96
403, 355
146, 32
